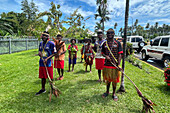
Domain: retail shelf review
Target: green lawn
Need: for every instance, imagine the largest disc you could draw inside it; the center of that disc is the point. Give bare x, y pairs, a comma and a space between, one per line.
80, 91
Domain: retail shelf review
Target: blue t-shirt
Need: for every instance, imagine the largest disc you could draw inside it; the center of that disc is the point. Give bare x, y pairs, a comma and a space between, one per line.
47, 49
100, 42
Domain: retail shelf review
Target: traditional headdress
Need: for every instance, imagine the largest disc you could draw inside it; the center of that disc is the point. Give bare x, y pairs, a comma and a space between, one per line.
99, 31
46, 33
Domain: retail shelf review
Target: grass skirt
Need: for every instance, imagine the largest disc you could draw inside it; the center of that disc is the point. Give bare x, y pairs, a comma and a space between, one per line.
111, 75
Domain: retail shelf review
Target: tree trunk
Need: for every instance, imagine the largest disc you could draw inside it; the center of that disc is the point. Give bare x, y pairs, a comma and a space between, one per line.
103, 26
122, 86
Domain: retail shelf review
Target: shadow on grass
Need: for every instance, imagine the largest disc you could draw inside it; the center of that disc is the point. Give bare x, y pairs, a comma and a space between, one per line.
90, 82
164, 88
80, 72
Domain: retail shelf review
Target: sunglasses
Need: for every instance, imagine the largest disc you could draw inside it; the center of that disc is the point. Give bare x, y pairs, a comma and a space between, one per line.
110, 32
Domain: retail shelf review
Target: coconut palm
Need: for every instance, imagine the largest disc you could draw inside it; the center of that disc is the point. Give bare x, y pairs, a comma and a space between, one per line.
121, 31
98, 26
115, 27
163, 26
156, 27
102, 12
136, 24
5, 26
147, 28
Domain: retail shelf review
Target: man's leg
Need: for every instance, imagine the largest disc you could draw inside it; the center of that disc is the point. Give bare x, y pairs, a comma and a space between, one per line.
90, 67
69, 67
115, 98
58, 71
86, 68
61, 77
43, 82
107, 90
62, 72
73, 66
99, 74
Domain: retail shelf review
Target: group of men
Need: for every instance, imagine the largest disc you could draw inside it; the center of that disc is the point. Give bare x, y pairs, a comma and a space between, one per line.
108, 53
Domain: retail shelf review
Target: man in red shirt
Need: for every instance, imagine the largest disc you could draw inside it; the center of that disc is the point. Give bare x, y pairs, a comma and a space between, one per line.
111, 50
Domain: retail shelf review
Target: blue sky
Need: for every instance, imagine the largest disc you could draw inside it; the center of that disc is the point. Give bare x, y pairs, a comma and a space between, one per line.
146, 11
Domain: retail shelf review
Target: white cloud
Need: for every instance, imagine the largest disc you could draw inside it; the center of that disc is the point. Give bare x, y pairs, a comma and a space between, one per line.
68, 10
89, 2
152, 8
164, 20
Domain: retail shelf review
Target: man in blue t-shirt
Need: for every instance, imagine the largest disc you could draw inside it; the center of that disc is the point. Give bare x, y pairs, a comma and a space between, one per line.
46, 49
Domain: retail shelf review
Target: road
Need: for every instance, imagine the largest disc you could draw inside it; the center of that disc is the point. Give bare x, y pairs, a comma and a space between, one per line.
152, 61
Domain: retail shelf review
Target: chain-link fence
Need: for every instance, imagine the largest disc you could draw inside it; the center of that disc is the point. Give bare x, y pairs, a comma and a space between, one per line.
10, 45
15, 45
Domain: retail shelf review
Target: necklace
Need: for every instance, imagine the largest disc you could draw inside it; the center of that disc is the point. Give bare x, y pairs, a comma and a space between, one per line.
43, 52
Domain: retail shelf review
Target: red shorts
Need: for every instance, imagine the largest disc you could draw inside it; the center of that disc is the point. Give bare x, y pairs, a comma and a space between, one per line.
99, 63
43, 73
59, 64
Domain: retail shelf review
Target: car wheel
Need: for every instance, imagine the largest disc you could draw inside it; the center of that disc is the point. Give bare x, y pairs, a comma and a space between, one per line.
166, 61
141, 44
144, 56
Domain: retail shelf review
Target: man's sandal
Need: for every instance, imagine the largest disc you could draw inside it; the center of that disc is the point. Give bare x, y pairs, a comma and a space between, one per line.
115, 98
105, 95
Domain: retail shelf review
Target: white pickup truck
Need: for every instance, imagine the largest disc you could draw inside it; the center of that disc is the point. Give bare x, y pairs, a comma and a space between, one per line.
158, 49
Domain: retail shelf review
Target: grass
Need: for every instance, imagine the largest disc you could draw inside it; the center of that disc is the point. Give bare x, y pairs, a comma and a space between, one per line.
80, 91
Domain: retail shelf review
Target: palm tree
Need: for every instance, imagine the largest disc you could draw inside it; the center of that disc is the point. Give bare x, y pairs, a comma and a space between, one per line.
135, 24
122, 87
5, 26
98, 26
115, 26
163, 26
102, 12
156, 27
147, 27
121, 31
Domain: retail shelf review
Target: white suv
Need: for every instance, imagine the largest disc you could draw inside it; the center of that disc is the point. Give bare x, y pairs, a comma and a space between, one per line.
159, 49
137, 42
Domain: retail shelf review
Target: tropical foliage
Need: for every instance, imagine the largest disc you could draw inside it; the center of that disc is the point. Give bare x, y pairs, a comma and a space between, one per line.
31, 23
102, 12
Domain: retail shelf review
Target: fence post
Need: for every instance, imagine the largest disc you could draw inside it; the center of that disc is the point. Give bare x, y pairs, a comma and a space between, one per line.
37, 43
26, 43
9, 45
